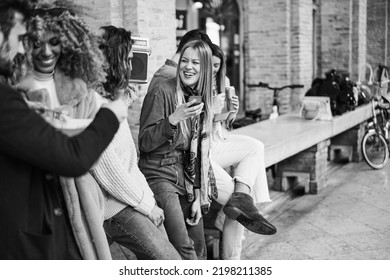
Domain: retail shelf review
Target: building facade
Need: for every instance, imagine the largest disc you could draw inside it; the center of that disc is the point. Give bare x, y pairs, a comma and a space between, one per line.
278, 42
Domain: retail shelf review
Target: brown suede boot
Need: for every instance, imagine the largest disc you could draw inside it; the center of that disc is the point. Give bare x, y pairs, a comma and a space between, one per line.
241, 207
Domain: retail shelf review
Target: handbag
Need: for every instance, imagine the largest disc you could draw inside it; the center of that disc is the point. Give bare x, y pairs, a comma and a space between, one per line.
365, 85
315, 108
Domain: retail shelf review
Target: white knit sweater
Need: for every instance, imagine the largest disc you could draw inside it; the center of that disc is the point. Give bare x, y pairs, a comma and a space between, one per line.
118, 175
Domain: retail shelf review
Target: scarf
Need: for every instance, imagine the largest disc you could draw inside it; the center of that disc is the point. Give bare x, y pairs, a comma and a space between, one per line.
197, 168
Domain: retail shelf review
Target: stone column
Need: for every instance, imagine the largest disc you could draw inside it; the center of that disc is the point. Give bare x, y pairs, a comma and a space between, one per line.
359, 37
343, 36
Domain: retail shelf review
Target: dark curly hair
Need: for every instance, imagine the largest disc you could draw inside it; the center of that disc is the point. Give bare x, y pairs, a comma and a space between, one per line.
80, 55
116, 47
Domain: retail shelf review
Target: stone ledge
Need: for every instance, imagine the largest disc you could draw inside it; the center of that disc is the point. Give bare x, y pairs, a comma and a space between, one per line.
288, 135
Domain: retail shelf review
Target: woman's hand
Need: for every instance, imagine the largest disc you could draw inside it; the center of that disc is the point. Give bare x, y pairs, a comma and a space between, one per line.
157, 216
196, 213
235, 102
218, 103
230, 119
185, 111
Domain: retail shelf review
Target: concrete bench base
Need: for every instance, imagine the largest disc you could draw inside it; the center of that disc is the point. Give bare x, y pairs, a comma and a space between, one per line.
308, 167
349, 141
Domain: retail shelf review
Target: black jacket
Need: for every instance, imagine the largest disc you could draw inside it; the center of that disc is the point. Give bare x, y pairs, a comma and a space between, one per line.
32, 154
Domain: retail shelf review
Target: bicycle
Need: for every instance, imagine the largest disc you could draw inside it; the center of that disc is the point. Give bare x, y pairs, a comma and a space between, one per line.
376, 142
276, 91
253, 116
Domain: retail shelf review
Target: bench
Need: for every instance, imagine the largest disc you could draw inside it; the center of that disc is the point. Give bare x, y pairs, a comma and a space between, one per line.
299, 145
301, 149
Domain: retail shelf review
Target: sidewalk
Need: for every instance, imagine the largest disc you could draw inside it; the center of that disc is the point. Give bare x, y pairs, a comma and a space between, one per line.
350, 219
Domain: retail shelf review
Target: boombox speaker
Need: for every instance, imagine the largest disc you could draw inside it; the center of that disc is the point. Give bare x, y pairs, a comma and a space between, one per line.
141, 52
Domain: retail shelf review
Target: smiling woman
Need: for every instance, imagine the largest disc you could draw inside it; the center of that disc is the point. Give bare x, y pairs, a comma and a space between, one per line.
195, 78
56, 27
67, 62
172, 132
46, 52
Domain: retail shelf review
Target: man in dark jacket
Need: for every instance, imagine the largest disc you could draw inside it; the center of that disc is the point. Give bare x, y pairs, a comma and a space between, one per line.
33, 219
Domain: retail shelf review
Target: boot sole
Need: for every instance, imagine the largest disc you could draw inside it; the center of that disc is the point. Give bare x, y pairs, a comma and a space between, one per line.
250, 224
255, 226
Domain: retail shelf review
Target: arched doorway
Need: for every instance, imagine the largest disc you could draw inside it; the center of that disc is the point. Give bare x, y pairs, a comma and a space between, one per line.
221, 20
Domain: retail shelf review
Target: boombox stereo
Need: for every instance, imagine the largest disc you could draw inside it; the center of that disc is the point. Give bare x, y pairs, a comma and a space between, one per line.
141, 52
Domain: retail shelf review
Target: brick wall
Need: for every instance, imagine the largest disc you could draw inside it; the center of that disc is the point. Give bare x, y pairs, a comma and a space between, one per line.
335, 22
378, 13
267, 45
278, 50
342, 36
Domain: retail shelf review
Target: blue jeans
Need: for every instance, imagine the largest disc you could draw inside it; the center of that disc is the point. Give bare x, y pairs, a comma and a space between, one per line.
136, 232
167, 184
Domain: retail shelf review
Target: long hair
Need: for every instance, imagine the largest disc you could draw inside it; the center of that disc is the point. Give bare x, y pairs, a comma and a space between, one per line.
80, 56
221, 75
116, 48
205, 84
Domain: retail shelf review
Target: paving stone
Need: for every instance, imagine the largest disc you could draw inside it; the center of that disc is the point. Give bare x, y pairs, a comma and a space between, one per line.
273, 251
380, 254
341, 204
349, 220
368, 241
360, 211
334, 223
325, 248
353, 256
300, 231
380, 200
371, 216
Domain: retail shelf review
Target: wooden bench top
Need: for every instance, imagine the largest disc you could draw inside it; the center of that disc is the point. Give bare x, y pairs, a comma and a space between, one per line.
288, 135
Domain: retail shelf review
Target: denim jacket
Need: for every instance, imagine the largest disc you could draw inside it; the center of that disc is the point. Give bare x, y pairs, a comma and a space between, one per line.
156, 134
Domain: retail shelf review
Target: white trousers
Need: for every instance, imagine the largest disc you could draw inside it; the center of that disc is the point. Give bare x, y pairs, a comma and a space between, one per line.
246, 154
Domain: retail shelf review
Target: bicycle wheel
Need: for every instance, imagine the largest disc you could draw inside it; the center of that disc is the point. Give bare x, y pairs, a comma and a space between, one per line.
375, 149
